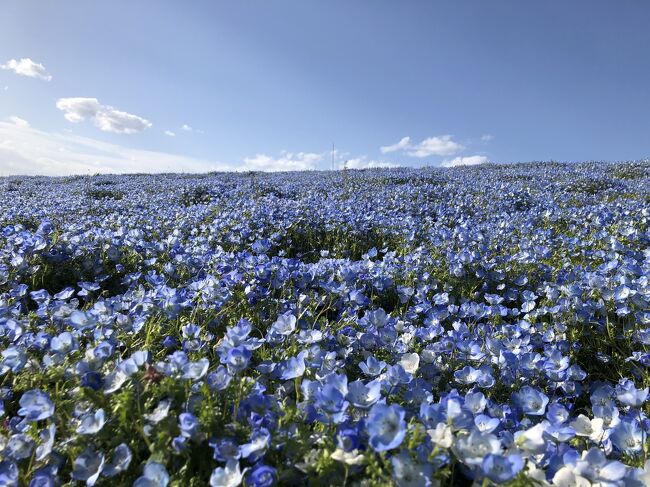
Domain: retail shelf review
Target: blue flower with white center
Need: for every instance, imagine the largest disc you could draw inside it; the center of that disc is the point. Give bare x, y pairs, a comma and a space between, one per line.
364, 395
36, 405
386, 426
119, 462
228, 476
188, 424
91, 423
531, 401
501, 469
628, 437
88, 466
154, 475
261, 476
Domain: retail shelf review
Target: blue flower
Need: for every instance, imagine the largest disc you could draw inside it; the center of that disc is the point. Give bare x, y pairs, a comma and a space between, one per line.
188, 424
88, 466
36, 405
228, 476
261, 476
386, 426
500, 469
531, 401
91, 423
154, 475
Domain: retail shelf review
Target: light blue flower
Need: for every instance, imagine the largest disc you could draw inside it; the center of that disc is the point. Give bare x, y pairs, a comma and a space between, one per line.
91, 423
386, 426
36, 405
154, 475
88, 466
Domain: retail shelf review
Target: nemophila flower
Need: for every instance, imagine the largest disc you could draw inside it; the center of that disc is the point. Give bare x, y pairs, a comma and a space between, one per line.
259, 441
8, 473
531, 401
284, 325
472, 448
228, 476
364, 395
293, 367
19, 447
225, 449
628, 437
160, 412
386, 426
500, 469
261, 476
36, 405
188, 424
441, 435
237, 359
195, 370
628, 394
154, 475
91, 423
595, 466
352, 457
591, 428
219, 379
47, 437
88, 466
408, 473
120, 461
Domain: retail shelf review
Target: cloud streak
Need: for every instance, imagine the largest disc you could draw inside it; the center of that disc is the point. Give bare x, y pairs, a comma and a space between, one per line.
26, 150
27, 67
105, 117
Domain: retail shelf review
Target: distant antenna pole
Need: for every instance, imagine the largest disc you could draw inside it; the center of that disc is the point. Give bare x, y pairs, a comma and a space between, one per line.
332, 156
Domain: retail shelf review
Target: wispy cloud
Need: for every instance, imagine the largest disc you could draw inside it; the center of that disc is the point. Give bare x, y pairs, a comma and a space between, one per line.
169, 133
487, 137
104, 117
464, 161
27, 67
20, 122
26, 150
404, 143
287, 161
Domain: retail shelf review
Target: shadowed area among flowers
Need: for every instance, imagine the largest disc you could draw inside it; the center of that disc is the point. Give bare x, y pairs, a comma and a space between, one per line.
485, 324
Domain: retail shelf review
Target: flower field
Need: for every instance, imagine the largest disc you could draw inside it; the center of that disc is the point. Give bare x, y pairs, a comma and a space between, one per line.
410, 327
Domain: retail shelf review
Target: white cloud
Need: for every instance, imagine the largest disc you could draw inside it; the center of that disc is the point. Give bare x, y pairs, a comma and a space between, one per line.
27, 67
186, 128
288, 161
6, 88
435, 146
487, 137
363, 163
104, 117
432, 146
404, 143
26, 150
20, 122
464, 161
169, 133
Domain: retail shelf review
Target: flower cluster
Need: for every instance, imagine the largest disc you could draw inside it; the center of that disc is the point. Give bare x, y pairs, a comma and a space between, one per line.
426, 327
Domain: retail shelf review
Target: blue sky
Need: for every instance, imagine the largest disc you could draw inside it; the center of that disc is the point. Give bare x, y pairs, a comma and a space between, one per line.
101, 87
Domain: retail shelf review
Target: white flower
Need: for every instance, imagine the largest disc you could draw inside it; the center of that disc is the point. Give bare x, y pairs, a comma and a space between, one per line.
441, 435
410, 362
230, 476
566, 477
592, 428
349, 458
